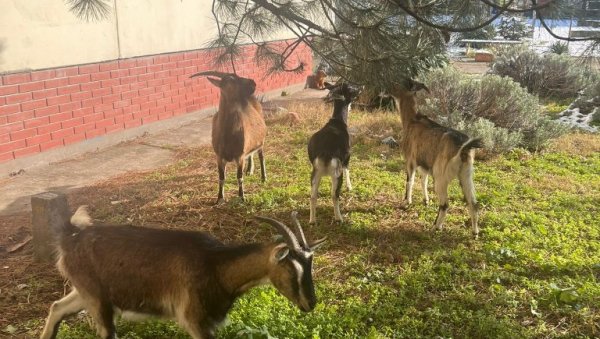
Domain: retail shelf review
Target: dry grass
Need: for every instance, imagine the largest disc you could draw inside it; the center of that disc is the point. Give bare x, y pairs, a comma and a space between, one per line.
584, 144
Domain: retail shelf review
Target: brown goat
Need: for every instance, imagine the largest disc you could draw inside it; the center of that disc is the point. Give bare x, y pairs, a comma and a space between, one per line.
435, 150
238, 128
316, 81
190, 277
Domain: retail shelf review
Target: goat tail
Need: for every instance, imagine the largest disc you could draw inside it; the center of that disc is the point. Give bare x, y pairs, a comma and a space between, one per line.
81, 219
466, 148
78, 221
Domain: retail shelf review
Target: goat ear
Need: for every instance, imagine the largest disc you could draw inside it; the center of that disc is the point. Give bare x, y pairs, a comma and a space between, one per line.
215, 82
317, 243
280, 252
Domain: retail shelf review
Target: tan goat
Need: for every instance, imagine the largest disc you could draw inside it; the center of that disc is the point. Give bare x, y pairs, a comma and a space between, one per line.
435, 150
238, 128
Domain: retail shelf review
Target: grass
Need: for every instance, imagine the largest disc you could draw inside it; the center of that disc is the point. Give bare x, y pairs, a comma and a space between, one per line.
533, 273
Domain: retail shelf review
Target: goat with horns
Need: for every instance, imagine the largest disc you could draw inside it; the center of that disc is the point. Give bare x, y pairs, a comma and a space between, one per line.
436, 150
238, 128
190, 277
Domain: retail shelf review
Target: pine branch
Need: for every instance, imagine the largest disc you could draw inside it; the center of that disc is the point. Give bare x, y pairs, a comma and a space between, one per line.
89, 10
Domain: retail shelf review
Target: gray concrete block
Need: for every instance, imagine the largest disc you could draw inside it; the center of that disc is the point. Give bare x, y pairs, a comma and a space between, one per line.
50, 211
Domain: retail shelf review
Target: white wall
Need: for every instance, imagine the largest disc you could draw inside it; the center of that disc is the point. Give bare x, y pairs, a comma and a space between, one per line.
43, 33
36, 34
151, 26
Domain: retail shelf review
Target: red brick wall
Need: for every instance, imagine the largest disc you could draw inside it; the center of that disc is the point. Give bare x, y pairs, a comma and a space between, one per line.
42, 110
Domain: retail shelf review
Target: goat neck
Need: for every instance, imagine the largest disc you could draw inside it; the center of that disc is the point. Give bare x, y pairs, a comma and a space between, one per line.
227, 102
244, 267
340, 110
407, 104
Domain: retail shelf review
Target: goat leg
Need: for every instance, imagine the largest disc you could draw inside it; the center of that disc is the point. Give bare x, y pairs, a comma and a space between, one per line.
221, 194
468, 188
424, 187
347, 176
103, 314
410, 180
315, 180
250, 165
195, 327
441, 189
263, 169
240, 178
70, 304
336, 187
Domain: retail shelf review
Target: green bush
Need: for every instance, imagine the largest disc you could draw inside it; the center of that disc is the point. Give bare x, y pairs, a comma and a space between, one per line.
514, 28
559, 47
494, 108
484, 33
549, 75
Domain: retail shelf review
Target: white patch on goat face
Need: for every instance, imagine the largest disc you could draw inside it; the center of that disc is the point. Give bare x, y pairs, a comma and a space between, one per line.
299, 271
299, 274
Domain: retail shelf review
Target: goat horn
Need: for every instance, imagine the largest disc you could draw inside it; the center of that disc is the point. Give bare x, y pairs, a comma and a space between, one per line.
288, 235
299, 231
211, 73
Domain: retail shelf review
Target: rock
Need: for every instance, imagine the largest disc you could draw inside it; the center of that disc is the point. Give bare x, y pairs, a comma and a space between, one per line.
10, 329
390, 141
14, 174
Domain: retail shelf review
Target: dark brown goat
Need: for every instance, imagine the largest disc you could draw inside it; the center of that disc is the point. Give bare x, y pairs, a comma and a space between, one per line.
435, 150
238, 128
190, 277
329, 148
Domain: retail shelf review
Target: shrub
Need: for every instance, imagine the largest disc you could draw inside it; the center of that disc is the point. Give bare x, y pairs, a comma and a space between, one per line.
593, 87
550, 75
485, 33
494, 108
514, 28
595, 119
588, 102
559, 47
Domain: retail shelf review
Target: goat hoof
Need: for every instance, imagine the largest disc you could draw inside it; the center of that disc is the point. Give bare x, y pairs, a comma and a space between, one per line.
220, 201
426, 202
404, 206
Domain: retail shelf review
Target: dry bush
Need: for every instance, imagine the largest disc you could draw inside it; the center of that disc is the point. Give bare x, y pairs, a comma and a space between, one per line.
550, 75
494, 108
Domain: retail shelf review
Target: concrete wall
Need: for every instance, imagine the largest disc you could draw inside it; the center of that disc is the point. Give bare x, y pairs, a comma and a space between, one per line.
151, 27
38, 34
